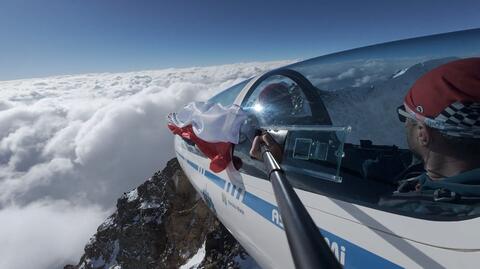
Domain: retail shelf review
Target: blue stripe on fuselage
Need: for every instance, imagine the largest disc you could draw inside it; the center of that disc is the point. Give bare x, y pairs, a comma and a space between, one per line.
355, 256
220, 182
262, 207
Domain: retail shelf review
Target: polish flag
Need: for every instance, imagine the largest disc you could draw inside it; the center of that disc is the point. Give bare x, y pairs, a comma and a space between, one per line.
212, 127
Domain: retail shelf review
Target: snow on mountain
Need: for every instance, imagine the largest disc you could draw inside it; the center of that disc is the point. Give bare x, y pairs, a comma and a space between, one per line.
399, 73
70, 145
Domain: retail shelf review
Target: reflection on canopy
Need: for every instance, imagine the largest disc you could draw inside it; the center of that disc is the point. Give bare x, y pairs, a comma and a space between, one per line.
362, 87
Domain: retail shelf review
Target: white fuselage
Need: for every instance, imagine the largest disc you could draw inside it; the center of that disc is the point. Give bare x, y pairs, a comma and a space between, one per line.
360, 237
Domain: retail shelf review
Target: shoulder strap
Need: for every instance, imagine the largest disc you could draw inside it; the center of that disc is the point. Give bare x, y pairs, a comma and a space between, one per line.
407, 185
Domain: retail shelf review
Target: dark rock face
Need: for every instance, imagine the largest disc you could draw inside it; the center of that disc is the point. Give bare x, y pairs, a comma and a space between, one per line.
161, 224
223, 251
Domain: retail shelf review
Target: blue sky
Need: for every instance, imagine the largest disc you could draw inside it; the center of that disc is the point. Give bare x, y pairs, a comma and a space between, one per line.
53, 37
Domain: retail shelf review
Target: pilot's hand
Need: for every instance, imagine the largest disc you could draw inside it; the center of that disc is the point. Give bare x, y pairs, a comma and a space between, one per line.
272, 145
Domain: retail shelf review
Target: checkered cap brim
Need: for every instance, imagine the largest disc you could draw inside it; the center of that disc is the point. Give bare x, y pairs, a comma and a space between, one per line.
460, 119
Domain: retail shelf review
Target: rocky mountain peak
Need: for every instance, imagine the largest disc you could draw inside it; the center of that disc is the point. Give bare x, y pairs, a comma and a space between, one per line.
163, 223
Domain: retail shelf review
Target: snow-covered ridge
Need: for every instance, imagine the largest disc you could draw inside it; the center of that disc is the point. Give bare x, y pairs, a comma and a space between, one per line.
196, 259
399, 73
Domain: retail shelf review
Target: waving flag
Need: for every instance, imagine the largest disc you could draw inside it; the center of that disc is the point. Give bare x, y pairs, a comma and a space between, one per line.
212, 127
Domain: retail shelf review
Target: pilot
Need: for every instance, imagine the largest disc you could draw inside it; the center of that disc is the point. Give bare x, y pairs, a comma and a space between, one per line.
441, 113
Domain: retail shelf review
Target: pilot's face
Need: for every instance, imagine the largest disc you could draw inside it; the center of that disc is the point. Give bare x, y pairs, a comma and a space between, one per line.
417, 137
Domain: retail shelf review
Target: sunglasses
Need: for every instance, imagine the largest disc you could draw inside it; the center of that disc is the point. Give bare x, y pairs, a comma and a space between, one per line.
403, 115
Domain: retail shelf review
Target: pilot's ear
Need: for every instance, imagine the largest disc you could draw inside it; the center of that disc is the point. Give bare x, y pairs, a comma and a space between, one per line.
424, 134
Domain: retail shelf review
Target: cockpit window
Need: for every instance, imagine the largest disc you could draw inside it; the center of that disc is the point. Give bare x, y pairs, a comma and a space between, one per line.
358, 90
227, 97
279, 102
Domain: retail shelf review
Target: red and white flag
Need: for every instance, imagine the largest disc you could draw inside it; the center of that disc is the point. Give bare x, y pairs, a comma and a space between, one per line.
212, 127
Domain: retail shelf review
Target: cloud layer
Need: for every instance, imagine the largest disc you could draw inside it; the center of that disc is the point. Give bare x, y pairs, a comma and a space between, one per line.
70, 145
45, 234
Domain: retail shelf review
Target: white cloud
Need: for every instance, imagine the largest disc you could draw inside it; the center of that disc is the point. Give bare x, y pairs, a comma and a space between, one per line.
109, 128
350, 73
46, 234
86, 139
355, 73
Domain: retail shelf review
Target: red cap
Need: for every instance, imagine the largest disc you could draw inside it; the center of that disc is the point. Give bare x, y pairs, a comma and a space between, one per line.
448, 96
